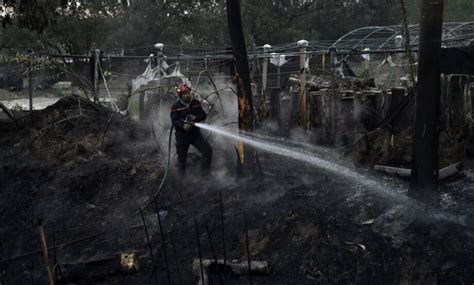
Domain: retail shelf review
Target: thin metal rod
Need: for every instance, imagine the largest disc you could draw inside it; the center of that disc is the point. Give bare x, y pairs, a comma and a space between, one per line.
248, 248
57, 268
211, 244
223, 231
176, 258
224, 253
150, 246
214, 254
199, 249
163, 240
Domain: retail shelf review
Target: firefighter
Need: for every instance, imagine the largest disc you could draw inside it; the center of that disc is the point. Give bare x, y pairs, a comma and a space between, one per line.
184, 113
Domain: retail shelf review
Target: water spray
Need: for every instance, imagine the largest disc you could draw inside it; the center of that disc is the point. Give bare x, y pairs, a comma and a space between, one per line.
290, 152
314, 158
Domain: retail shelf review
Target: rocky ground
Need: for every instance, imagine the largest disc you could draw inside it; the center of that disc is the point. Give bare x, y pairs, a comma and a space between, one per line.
85, 172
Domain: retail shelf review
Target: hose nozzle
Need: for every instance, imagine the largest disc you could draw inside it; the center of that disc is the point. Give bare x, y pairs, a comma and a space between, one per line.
190, 119
186, 121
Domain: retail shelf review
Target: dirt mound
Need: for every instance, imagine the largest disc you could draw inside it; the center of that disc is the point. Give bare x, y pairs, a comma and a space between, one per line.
73, 127
79, 167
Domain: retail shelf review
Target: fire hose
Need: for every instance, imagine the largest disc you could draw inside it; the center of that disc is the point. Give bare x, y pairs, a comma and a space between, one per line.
163, 180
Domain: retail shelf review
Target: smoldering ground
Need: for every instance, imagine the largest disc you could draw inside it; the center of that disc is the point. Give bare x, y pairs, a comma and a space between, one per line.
221, 104
301, 216
222, 108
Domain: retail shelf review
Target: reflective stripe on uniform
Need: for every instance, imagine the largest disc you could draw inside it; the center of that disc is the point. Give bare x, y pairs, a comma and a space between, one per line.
184, 108
177, 110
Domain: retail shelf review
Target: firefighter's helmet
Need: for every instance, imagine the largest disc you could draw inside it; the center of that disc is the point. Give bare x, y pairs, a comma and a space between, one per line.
182, 89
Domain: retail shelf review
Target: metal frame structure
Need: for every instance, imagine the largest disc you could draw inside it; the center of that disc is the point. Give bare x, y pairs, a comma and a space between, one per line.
379, 38
366, 40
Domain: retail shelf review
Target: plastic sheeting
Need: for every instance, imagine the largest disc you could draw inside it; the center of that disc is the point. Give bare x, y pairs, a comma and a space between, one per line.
278, 59
153, 77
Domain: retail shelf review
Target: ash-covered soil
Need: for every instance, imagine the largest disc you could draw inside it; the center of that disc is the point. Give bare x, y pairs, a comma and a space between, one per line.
86, 172
79, 168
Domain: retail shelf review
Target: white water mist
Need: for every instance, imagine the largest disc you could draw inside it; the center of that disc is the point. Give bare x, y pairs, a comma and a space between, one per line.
297, 153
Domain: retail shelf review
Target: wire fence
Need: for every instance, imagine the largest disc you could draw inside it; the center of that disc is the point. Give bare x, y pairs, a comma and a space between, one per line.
371, 52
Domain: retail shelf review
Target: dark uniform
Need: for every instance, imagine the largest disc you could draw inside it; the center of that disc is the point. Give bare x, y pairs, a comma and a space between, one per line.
184, 138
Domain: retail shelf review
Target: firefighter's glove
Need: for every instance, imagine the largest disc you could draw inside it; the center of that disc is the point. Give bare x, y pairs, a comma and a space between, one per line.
190, 118
187, 126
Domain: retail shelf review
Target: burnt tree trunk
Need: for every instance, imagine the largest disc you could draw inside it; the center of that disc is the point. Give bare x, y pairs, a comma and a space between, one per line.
242, 75
425, 166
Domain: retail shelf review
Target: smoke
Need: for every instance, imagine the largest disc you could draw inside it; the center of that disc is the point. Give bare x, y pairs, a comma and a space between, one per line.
218, 98
220, 104
223, 135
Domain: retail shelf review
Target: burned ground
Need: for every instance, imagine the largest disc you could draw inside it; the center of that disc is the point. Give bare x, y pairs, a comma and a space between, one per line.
86, 172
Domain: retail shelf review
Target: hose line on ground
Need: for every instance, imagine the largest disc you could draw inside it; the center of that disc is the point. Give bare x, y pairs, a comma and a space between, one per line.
163, 180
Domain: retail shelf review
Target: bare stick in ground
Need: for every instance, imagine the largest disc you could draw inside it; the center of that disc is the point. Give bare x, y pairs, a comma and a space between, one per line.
247, 247
176, 258
163, 240
223, 236
106, 130
211, 243
223, 230
199, 249
214, 254
56, 268
45, 252
150, 246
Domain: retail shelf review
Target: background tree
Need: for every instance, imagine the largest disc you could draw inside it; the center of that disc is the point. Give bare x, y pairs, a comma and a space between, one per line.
428, 96
73, 25
242, 78
454, 11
